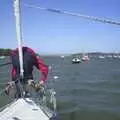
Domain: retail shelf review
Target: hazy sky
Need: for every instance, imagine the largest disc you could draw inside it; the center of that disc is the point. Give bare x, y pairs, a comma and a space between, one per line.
52, 33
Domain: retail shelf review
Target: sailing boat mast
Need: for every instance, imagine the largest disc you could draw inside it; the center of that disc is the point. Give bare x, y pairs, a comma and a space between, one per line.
16, 4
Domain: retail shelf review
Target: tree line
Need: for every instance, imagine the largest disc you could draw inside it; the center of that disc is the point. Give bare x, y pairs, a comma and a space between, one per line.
5, 52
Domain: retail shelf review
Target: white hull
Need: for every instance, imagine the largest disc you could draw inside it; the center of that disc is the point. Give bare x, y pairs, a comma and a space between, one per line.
76, 60
24, 109
85, 58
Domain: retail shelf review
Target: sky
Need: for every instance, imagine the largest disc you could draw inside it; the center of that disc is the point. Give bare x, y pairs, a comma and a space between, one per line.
52, 33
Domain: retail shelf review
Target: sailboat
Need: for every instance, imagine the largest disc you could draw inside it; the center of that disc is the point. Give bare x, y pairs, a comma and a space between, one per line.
85, 57
76, 60
26, 107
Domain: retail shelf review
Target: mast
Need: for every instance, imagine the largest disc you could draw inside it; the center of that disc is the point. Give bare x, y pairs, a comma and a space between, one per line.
16, 5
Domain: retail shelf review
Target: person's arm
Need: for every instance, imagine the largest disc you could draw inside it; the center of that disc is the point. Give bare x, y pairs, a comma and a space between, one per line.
13, 73
43, 68
40, 66
44, 72
9, 84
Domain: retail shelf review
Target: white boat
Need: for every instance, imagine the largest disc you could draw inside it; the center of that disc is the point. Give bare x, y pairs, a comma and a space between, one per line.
116, 56
25, 109
109, 56
101, 57
85, 58
76, 60
62, 56
32, 107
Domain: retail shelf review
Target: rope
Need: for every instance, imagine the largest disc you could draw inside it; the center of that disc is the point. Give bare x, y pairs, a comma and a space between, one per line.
74, 14
1, 92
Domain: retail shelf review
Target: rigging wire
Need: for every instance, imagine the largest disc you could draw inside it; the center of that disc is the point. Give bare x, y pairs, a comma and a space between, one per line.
74, 14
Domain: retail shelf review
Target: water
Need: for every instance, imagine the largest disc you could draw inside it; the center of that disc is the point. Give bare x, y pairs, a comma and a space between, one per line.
85, 91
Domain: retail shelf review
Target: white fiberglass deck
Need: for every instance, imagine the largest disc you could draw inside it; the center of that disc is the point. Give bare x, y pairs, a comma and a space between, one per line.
23, 109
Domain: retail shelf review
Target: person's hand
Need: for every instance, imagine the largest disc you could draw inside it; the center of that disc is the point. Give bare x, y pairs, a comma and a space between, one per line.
7, 90
31, 83
39, 86
8, 86
41, 83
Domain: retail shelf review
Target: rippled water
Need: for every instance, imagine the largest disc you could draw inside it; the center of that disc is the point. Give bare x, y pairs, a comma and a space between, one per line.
85, 91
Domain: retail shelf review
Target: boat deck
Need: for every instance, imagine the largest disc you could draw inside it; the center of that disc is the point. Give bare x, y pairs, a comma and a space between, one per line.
23, 109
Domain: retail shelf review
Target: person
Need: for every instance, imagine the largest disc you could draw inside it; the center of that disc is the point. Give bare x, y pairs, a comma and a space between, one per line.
30, 59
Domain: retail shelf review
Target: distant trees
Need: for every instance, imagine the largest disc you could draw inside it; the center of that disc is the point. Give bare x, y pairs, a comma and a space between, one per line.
4, 52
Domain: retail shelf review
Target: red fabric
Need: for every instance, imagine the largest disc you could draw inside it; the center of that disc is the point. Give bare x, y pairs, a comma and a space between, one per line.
13, 52
40, 65
13, 72
43, 68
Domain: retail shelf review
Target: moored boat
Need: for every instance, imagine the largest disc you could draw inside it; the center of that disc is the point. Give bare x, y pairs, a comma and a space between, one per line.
85, 58
76, 60
25, 106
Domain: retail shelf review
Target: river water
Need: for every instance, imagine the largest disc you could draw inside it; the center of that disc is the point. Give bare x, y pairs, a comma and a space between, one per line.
85, 91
